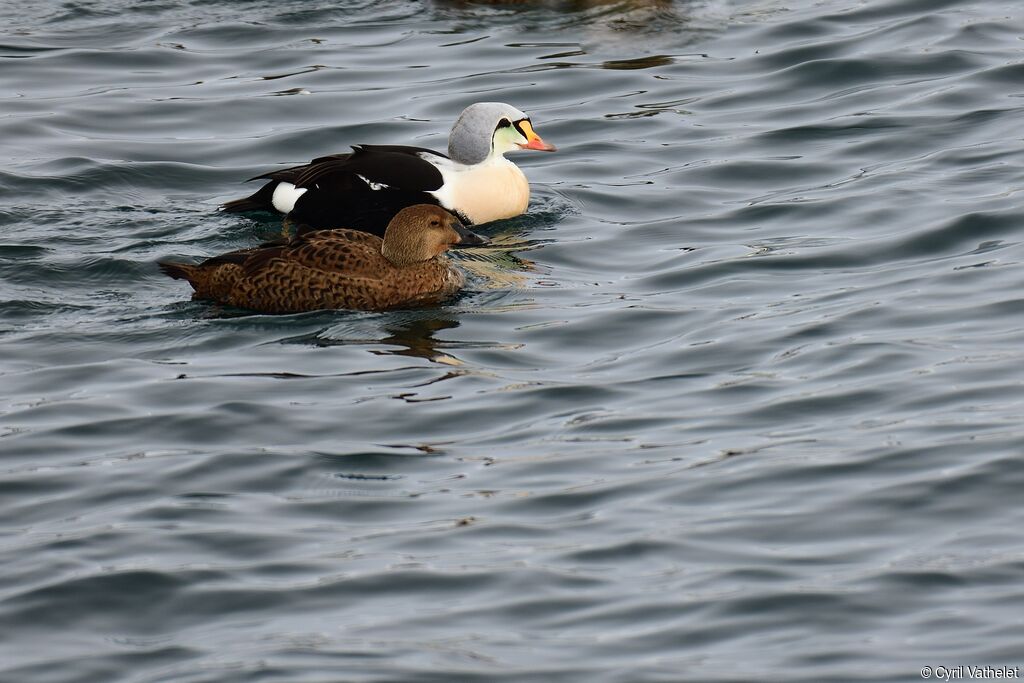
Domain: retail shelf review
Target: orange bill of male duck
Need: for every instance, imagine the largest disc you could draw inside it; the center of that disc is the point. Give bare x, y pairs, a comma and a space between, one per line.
365, 188
340, 268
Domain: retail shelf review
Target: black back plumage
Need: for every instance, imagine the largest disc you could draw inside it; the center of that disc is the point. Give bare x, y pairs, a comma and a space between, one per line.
363, 189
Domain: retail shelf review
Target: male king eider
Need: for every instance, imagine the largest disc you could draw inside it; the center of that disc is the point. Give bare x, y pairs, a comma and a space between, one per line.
364, 189
325, 269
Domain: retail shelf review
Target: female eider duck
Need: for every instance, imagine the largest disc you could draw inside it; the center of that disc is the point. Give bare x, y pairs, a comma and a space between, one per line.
365, 188
325, 269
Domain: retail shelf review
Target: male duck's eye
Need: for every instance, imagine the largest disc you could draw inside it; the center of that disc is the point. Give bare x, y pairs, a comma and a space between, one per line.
504, 123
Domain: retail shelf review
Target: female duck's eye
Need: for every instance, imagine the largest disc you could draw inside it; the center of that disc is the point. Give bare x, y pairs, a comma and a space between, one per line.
435, 223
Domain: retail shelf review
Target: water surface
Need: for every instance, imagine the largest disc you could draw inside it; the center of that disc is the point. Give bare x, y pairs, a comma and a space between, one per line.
740, 397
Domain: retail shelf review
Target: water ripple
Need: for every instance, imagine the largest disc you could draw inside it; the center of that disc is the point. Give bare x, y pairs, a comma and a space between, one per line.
737, 399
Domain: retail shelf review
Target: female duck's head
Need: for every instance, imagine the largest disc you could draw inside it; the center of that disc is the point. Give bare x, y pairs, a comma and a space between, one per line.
492, 128
420, 232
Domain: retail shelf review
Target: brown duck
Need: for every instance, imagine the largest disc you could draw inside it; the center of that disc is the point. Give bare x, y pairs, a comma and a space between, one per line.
339, 268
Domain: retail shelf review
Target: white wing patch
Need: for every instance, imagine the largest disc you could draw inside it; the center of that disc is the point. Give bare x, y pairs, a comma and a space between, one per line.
285, 196
372, 185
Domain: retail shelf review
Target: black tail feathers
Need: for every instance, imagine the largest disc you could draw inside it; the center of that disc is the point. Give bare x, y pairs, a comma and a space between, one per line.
262, 200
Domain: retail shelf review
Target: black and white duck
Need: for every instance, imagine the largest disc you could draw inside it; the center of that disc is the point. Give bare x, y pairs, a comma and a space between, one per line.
365, 188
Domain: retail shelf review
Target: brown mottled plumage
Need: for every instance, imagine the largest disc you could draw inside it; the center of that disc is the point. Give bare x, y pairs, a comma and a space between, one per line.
339, 268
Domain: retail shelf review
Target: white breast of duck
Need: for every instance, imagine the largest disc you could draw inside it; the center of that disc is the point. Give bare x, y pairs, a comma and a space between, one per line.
484, 192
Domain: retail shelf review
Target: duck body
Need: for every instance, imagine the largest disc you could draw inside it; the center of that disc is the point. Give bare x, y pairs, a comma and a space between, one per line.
338, 269
364, 189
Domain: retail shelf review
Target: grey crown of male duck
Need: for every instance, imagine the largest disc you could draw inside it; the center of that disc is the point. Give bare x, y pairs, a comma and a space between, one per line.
365, 188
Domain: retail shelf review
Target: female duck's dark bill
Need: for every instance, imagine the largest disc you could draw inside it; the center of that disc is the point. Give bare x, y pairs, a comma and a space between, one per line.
468, 238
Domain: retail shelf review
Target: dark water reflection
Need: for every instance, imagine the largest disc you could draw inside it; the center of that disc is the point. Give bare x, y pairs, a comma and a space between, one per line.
738, 399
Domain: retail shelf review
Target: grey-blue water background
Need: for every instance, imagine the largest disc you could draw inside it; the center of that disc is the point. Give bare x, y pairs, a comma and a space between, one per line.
740, 398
